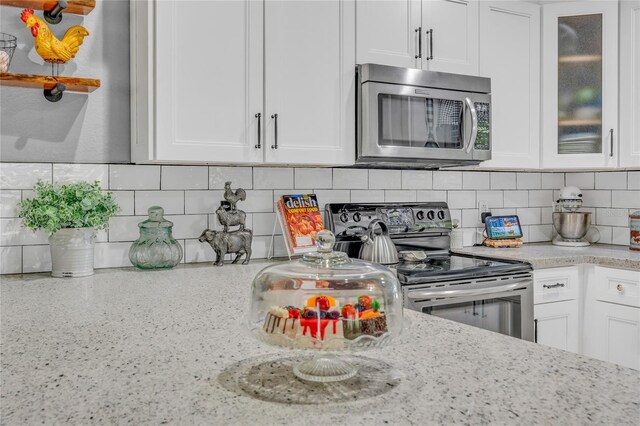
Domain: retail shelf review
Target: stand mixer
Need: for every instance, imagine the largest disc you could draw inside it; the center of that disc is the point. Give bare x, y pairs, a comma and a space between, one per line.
571, 224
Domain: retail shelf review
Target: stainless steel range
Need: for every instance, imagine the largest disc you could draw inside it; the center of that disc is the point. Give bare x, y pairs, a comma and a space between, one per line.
494, 295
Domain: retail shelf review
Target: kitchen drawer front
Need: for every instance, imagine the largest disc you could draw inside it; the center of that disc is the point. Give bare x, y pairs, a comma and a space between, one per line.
617, 286
556, 284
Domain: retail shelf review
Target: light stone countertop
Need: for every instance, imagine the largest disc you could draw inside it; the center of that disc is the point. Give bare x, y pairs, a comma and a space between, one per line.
126, 346
546, 255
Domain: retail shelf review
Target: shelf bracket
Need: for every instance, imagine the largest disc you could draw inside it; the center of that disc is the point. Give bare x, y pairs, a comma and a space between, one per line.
54, 16
55, 93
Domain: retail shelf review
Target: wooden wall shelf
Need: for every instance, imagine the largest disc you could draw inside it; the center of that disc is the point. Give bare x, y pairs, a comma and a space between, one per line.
73, 84
576, 59
78, 7
580, 122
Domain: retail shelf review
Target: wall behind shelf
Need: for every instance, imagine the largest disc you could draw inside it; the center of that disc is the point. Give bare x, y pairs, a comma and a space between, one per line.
79, 128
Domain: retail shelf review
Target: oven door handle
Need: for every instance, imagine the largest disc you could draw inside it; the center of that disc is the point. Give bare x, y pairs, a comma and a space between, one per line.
417, 295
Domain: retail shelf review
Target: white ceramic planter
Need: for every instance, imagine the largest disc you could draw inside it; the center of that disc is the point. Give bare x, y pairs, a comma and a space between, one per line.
72, 252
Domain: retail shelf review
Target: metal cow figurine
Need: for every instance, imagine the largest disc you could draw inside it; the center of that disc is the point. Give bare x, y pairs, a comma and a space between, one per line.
238, 242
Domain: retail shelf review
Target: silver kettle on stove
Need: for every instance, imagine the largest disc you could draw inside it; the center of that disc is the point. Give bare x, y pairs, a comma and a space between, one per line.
378, 248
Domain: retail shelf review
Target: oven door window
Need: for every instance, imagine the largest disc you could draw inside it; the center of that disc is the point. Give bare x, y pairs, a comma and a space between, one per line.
501, 315
422, 122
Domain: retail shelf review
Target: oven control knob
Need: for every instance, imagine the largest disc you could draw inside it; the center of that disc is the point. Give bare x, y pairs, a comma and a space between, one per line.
357, 217
344, 217
420, 215
431, 215
441, 214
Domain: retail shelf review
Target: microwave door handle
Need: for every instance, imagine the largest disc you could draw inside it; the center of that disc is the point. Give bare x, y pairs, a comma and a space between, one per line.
474, 124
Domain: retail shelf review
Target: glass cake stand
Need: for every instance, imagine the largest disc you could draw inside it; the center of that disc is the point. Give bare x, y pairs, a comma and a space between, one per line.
326, 303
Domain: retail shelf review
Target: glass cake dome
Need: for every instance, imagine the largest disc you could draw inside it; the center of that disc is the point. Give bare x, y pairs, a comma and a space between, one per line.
326, 302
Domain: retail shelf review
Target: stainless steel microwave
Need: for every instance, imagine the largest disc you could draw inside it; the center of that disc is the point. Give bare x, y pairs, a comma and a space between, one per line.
421, 119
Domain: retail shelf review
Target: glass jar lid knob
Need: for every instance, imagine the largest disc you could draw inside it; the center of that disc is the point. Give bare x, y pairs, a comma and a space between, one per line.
325, 240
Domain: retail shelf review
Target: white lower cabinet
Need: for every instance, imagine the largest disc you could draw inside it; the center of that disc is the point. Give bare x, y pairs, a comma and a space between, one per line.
556, 309
616, 334
557, 325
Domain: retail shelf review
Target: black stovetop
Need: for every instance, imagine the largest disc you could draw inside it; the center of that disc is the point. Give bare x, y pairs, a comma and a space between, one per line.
450, 266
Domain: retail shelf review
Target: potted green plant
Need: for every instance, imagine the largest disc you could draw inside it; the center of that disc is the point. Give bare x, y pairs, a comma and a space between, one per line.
70, 214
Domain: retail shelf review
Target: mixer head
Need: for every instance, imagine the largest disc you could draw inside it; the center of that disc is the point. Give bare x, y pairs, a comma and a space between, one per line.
570, 198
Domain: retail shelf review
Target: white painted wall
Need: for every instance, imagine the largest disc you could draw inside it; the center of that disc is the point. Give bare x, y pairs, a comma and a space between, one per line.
79, 128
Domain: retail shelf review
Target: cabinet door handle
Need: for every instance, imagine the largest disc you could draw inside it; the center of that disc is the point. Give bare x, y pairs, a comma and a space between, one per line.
419, 31
535, 330
275, 131
430, 57
259, 116
620, 288
611, 143
556, 285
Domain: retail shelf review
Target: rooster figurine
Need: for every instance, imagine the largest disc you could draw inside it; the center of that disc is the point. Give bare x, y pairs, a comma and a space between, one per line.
51, 49
233, 196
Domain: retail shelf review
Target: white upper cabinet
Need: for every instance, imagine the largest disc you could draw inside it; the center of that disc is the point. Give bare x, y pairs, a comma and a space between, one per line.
450, 31
630, 83
206, 93
310, 82
208, 83
580, 84
388, 32
510, 56
437, 35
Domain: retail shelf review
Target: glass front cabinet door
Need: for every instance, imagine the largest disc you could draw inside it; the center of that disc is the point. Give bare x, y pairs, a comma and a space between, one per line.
580, 84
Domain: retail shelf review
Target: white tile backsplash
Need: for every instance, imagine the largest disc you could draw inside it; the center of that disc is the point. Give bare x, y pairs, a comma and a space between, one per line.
476, 180
461, 199
581, 180
11, 260
184, 177
240, 177
67, 173
367, 196
171, 201
23, 175
9, 199
12, 233
399, 196
529, 180
516, 198
272, 178
350, 179
385, 179
190, 195
417, 179
315, 178
541, 198
552, 180
611, 180
36, 259
503, 180
633, 180
447, 180
123, 176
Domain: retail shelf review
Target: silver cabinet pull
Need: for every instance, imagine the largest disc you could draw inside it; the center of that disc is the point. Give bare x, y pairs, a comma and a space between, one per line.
419, 31
611, 143
430, 32
275, 131
620, 288
535, 330
556, 285
258, 116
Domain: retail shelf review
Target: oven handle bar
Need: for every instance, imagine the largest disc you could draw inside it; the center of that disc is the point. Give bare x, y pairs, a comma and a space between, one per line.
417, 295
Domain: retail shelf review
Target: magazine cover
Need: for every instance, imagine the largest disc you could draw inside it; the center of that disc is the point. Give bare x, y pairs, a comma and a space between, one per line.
300, 219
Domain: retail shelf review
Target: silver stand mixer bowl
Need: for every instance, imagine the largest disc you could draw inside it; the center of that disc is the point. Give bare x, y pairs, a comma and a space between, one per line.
572, 226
